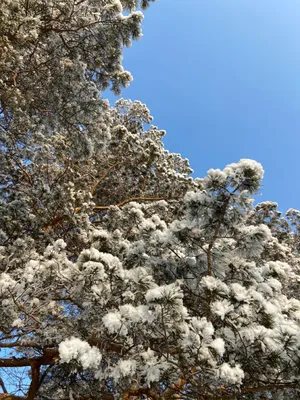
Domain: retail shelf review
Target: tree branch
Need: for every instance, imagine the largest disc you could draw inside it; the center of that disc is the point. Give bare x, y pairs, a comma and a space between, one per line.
94, 187
141, 391
6, 396
259, 389
123, 203
35, 372
3, 386
48, 358
58, 219
11, 345
174, 389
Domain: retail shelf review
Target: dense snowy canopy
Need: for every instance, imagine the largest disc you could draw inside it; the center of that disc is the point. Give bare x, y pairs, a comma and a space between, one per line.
121, 276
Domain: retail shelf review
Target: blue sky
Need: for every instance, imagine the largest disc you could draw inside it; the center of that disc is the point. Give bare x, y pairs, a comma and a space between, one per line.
223, 78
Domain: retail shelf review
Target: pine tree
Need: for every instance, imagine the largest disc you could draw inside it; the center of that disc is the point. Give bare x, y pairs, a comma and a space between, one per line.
122, 277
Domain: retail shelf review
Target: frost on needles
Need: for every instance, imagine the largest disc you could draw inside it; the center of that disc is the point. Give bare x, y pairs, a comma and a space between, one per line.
122, 277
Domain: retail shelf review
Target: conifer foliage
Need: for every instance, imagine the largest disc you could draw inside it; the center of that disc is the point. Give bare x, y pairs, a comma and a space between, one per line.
121, 277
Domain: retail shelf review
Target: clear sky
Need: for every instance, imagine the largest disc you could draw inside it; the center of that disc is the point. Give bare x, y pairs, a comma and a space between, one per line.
223, 78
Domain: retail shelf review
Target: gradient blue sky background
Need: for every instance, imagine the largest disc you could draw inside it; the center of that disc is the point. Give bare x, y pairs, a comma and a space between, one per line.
223, 78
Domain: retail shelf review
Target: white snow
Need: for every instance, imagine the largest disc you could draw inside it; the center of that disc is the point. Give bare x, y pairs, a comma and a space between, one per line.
76, 349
